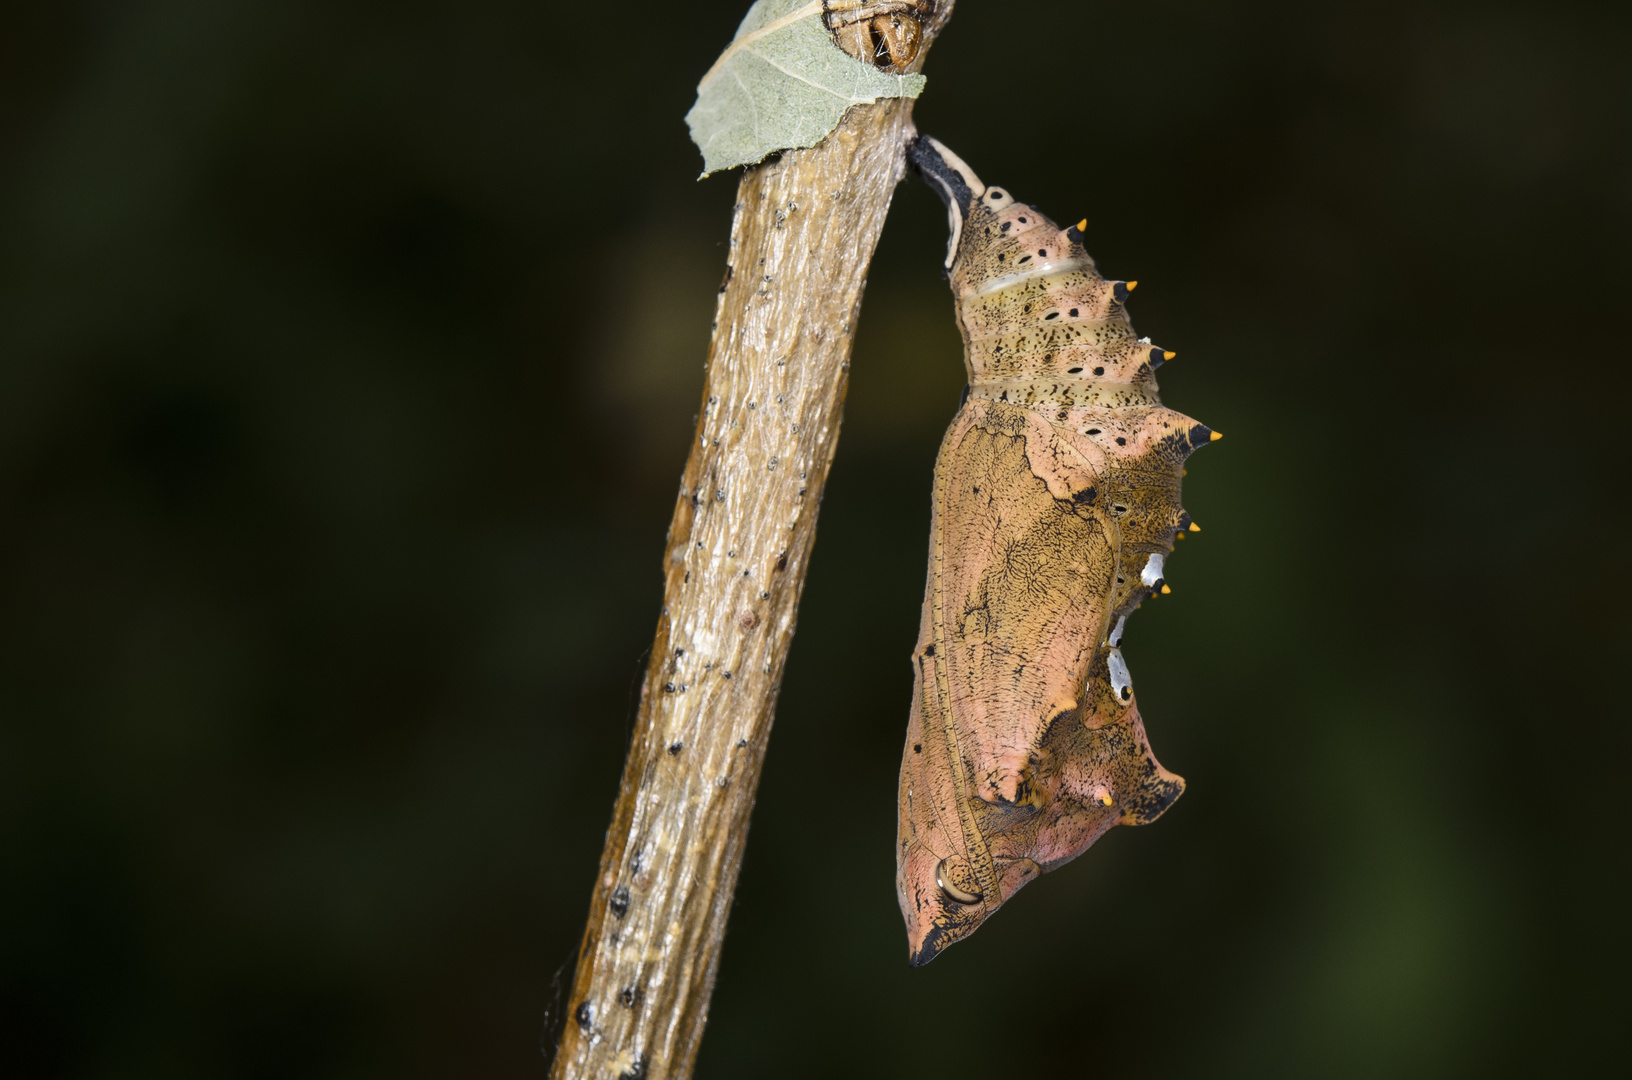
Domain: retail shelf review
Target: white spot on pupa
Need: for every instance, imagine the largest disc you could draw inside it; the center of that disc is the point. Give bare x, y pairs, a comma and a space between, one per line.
1121, 681
1153, 570
1144, 341
1116, 631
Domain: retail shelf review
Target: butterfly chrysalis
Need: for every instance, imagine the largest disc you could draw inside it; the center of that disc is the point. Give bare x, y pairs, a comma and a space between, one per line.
1056, 503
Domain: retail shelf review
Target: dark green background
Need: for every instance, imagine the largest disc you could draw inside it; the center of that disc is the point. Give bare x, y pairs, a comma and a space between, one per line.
348, 359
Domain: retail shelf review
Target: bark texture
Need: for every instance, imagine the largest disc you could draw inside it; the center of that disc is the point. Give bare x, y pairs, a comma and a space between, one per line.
804, 230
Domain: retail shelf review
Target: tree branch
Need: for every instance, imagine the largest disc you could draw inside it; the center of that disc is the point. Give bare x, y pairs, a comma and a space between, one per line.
804, 231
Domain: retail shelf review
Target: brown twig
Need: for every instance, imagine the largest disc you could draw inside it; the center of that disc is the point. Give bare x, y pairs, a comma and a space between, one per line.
804, 231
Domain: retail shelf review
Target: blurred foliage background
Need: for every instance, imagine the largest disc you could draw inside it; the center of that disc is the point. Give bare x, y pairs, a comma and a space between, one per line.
348, 357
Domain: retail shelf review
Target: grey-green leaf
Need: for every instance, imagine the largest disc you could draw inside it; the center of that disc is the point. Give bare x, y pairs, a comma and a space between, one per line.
782, 84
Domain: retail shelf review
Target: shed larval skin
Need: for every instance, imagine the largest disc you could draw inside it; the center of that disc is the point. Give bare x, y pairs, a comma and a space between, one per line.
1056, 503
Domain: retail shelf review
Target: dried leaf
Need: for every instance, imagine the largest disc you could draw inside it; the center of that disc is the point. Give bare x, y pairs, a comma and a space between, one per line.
782, 84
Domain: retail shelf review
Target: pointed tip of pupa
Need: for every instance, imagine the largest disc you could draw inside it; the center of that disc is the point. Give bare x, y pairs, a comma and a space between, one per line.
1157, 791
922, 955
